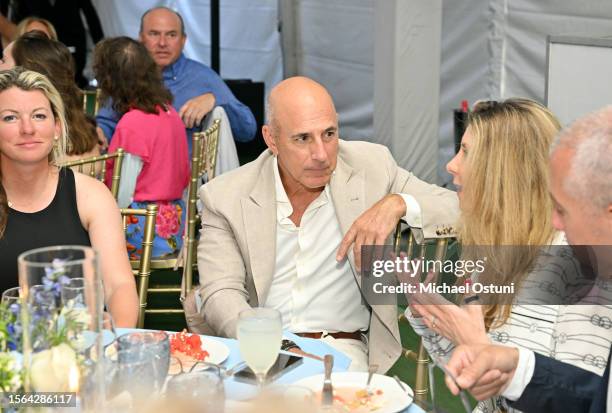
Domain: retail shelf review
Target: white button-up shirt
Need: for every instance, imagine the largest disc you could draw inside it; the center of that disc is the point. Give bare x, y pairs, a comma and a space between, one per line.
310, 288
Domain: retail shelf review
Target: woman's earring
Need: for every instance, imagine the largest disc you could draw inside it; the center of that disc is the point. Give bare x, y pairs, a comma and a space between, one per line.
56, 151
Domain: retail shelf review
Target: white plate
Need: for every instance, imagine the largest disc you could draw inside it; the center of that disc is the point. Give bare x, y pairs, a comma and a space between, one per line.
217, 354
217, 351
395, 398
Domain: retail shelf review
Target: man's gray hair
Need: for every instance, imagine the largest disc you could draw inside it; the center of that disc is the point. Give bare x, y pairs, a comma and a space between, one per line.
163, 8
590, 172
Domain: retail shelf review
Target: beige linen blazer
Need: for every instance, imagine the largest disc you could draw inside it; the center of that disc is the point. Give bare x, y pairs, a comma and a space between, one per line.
236, 251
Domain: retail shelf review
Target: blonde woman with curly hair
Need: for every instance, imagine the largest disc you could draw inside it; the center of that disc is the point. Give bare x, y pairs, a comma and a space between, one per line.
36, 23
501, 175
42, 205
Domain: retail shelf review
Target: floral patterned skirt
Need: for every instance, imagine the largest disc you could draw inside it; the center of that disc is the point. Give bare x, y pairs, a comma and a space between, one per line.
169, 226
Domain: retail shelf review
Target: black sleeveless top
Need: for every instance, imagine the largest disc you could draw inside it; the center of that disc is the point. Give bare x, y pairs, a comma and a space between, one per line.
57, 224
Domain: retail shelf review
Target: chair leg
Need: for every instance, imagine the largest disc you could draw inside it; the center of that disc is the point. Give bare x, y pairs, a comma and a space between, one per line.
145, 261
143, 286
421, 382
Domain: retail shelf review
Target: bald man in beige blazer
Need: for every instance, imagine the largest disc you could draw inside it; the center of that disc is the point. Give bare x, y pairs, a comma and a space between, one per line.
283, 230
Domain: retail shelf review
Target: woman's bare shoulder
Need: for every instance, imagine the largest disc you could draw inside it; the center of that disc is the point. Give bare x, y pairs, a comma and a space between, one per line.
88, 183
93, 195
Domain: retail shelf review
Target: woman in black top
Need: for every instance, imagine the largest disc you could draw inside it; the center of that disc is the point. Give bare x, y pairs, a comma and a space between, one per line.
41, 205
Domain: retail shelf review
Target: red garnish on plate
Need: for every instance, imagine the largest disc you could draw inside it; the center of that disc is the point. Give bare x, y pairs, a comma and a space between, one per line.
189, 344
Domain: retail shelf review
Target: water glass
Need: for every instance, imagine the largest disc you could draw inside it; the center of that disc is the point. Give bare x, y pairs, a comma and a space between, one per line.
202, 388
155, 346
260, 332
137, 372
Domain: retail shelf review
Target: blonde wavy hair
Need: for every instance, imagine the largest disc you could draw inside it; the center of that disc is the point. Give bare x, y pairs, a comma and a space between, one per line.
28, 80
507, 201
22, 26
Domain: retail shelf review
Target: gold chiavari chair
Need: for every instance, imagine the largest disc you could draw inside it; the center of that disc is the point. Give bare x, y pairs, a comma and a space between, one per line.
209, 150
142, 268
91, 101
203, 162
96, 168
412, 249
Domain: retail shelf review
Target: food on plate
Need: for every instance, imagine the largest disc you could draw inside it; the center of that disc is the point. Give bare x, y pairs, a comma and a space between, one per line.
357, 399
187, 344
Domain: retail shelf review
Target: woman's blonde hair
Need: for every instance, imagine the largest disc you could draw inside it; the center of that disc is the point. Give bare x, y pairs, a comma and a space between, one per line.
507, 201
22, 26
28, 80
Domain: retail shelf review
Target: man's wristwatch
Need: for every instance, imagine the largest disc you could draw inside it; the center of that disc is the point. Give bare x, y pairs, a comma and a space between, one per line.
287, 345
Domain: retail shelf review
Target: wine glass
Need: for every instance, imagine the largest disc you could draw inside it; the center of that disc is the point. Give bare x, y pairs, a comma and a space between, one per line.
11, 296
260, 331
72, 293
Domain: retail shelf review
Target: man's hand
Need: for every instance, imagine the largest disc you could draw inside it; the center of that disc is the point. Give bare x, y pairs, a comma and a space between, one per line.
194, 110
102, 139
484, 370
373, 226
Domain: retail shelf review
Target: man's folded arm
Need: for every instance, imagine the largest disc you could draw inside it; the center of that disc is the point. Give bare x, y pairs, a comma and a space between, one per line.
437, 209
242, 121
222, 271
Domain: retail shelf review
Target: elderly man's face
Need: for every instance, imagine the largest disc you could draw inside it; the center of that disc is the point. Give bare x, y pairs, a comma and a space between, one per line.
162, 36
305, 139
583, 225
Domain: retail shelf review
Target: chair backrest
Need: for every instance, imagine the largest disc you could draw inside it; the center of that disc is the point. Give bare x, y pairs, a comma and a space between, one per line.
96, 168
209, 149
91, 101
143, 267
405, 241
203, 161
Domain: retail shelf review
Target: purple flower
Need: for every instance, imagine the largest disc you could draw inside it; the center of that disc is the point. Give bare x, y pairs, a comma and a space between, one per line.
55, 277
15, 308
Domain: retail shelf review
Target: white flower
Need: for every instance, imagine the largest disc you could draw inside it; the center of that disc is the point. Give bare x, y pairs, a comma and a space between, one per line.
10, 366
50, 369
79, 319
79, 314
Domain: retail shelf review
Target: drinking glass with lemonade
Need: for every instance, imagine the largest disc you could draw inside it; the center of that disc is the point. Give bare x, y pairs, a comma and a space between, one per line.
260, 332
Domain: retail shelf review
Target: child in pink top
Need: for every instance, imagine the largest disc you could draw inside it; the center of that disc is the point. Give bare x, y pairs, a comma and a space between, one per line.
151, 129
